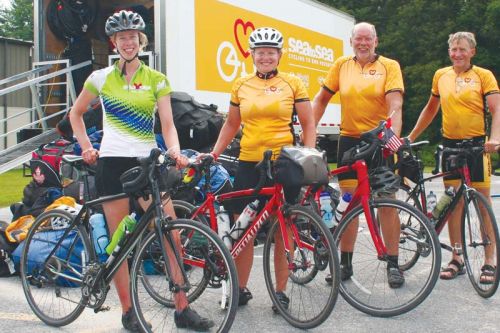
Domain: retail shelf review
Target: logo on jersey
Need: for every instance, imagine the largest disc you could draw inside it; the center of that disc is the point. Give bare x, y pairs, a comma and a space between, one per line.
372, 75
137, 87
462, 83
272, 90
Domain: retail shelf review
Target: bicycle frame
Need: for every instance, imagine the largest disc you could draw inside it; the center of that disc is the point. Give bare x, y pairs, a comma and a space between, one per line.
272, 207
419, 191
114, 261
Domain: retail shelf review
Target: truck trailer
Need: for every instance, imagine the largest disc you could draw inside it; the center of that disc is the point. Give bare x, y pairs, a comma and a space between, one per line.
202, 45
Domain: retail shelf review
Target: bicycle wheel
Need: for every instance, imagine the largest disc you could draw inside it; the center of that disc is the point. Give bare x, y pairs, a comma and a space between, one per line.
153, 278
480, 240
367, 289
310, 303
52, 284
409, 257
206, 253
304, 274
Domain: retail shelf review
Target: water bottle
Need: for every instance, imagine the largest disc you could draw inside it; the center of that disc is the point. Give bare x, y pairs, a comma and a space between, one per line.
443, 202
99, 234
341, 207
431, 202
224, 227
126, 225
247, 215
325, 203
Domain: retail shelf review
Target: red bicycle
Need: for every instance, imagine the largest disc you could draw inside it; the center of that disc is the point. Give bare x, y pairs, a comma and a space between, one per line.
366, 287
296, 234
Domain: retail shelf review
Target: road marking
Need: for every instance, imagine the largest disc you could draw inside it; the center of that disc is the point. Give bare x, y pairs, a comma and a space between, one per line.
18, 316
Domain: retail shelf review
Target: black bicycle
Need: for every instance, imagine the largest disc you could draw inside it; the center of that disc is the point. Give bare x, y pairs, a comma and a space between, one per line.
480, 243
61, 273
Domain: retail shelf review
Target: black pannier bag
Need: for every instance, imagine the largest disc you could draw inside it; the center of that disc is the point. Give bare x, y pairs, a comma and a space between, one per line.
300, 166
409, 167
198, 125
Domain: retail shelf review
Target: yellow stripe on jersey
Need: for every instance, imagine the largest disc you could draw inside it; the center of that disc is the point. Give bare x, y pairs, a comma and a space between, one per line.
266, 108
462, 100
362, 91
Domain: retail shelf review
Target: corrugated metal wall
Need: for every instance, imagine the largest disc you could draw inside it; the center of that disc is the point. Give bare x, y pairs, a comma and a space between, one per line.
15, 58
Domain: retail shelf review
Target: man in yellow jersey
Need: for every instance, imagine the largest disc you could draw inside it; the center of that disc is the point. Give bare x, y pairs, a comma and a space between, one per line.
371, 88
464, 91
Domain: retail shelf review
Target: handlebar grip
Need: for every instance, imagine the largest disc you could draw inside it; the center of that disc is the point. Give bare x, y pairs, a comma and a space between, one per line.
438, 157
360, 153
264, 168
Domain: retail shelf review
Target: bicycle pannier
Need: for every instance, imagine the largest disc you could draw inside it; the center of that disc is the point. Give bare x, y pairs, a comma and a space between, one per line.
299, 166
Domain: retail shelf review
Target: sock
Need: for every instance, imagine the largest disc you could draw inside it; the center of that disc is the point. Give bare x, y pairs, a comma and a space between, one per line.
392, 261
346, 259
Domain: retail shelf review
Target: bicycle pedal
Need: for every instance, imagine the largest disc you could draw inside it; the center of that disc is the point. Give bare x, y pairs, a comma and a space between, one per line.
102, 309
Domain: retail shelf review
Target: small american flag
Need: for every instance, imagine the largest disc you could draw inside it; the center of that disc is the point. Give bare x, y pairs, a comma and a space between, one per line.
392, 141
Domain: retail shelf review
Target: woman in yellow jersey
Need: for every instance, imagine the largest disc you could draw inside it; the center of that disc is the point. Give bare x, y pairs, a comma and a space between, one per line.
463, 91
264, 103
129, 92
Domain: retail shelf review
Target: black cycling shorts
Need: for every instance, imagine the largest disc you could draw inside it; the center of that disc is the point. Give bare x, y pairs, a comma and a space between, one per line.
109, 170
248, 177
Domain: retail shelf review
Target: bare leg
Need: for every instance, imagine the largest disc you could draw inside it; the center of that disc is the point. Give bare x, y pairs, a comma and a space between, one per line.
280, 260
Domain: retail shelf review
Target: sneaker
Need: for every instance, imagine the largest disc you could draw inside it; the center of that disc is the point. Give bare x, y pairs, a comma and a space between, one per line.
189, 319
130, 322
283, 299
395, 277
345, 274
244, 296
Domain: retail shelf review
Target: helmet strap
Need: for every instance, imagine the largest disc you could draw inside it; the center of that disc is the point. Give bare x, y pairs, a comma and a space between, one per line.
124, 69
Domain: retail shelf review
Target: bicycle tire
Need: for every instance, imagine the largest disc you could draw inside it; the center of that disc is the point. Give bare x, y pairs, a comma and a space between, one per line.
160, 317
474, 228
153, 264
41, 282
319, 296
411, 255
367, 289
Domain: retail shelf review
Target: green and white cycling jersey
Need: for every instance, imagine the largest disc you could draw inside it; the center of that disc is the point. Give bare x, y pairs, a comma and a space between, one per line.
128, 115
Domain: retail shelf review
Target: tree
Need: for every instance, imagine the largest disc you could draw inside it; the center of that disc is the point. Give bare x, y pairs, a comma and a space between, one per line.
17, 21
415, 33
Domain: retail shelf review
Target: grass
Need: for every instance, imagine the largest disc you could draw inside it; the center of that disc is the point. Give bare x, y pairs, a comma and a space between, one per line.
13, 184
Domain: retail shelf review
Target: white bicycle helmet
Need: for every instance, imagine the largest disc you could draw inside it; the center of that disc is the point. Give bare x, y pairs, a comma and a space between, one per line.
124, 20
266, 37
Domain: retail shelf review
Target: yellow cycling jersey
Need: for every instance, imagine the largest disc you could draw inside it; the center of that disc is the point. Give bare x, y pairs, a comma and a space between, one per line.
266, 109
462, 98
362, 91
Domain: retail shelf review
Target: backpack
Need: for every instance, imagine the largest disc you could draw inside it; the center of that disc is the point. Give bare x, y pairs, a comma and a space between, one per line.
35, 199
41, 245
44, 174
198, 125
6, 248
52, 152
92, 120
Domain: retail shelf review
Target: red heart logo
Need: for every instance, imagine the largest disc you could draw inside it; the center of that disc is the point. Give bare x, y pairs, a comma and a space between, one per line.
372, 72
245, 26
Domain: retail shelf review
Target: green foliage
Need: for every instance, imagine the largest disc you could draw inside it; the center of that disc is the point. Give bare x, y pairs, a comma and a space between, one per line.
416, 34
17, 21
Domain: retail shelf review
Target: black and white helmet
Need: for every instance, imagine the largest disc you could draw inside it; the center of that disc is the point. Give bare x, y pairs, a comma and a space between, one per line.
124, 20
266, 37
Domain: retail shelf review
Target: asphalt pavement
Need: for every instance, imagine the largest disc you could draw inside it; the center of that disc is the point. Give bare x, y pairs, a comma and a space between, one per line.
453, 306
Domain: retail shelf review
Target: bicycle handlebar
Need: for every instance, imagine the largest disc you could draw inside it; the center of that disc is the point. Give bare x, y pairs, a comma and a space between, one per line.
264, 168
466, 148
371, 142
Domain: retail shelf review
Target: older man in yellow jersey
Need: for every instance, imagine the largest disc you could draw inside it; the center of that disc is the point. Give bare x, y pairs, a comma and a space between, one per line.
465, 92
371, 88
